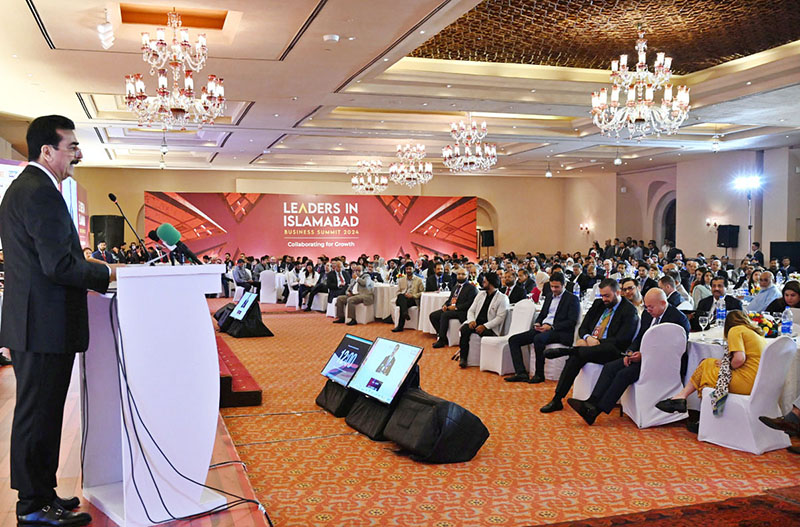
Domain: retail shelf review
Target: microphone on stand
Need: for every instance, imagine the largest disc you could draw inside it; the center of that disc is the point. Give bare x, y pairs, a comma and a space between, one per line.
113, 199
171, 239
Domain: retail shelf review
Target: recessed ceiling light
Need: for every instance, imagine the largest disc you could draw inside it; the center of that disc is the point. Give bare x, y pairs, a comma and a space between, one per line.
276, 115
14, 56
551, 151
381, 121
650, 159
385, 60
548, 156
449, 86
358, 81
749, 83
781, 120
453, 104
592, 160
678, 154
330, 38
266, 151
251, 140
310, 118
234, 157
533, 91
513, 126
351, 38
576, 129
340, 144
294, 98
422, 32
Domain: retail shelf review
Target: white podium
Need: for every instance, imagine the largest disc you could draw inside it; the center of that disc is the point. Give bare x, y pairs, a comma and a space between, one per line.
172, 369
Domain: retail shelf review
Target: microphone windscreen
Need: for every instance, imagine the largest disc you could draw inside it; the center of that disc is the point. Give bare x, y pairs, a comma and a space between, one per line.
168, 234
153, 236
112, 197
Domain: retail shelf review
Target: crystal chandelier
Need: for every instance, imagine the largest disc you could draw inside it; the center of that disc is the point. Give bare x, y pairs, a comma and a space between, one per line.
174, 107
477, 156
368, 179
410, 170
640, 115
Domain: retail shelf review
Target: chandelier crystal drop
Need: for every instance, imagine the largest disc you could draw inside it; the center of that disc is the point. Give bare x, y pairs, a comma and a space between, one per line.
639, 114
477, 156
368, 179
175, 107
410, 170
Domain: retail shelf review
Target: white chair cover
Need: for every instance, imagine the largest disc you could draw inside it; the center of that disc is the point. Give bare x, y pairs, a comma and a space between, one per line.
687, 305
585, 381
554, 367
320, 302
294, 298
495, 354
364, 314
660, 377
474, 357
331, 309
738, 427
238, 293
453, 332
269, 292
413, 312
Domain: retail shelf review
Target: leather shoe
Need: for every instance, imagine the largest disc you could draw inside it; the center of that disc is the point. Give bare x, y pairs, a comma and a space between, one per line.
4, 361
397, 330
779, 423
553, 406
462, 364
557, 352
585, 409
794, 449
307, 309
55, 516
672, 405
517, 377
352, 323
440, 344
339, 321
536, 379
693, 426
68, 504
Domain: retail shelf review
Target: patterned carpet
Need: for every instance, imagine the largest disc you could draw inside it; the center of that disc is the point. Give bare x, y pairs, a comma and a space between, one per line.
310, 468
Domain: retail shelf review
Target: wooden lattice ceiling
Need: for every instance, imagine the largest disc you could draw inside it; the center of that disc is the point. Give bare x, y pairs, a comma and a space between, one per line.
698, 34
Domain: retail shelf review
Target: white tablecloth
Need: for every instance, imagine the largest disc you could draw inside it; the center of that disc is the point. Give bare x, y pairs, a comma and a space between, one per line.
428, 303
280, 281
711, 347
384, 299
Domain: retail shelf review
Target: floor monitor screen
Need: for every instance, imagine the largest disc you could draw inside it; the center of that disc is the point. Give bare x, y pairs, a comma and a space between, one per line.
385, 368
346, 359
243, 305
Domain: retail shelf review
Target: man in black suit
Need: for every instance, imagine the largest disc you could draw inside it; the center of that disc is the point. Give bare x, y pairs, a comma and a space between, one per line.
512, 289
525, 279
45, 318
617, 375
103, 254
456, 307
338, 280
757, 254
667, 284
579, 277
436, 280
606, 332
554, 325
708, 304
643, 279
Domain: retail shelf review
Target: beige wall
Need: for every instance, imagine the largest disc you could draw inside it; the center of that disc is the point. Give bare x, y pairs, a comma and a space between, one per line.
644, 198
593, 201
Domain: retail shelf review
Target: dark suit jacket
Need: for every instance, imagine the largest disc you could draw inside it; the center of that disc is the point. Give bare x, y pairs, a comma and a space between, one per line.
516, 294
333, 280
759, 257
648, 284
107, 256
675, 299
567, 314
670, 315
431, 283
530, 283
707, 304
46, 275
622, 327
376, 276
465, 297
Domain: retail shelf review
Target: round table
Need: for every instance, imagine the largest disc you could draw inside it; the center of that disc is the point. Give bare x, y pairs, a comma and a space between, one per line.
428, 303
384, 299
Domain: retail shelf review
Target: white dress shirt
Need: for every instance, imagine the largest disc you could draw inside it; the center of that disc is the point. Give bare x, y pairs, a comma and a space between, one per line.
551, 314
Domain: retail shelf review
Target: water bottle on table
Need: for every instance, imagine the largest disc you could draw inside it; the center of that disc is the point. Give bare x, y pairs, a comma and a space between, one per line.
787, 320
722, 311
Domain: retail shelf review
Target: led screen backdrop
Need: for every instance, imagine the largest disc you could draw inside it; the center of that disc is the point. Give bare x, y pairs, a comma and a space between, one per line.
277, 224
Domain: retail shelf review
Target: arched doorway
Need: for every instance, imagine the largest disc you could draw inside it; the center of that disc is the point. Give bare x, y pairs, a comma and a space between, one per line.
669, 221
664, 218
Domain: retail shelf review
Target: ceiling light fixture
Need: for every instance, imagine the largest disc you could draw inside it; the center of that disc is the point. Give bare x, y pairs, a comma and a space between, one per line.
639, 115
368, 179
175, 107
478, 156
549, 172
715, 143
106, 33
411, 171
617, 159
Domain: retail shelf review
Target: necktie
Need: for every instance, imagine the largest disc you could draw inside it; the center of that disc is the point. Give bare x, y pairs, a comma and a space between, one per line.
600, 328
455, 295
341, 280
103, 255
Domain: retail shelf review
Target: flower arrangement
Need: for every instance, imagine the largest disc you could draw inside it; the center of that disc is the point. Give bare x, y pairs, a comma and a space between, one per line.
767, 323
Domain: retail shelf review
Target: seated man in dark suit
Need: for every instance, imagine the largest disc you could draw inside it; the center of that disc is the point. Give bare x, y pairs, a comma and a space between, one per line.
337, 280
579, 277
554, 325
524, 278
456, 307
643, 279
667, 284
708, 304
512, 289
606, 332
621, 373
435, 281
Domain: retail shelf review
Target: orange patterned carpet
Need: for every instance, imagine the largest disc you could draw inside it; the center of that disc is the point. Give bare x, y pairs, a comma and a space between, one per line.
310, 468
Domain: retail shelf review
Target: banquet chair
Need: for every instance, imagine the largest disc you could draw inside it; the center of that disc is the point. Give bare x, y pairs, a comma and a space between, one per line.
413, 312
585, 381
660, 377
453, 332
495, 353
738, 427
686, 305
269, 293
238, 293
554, 367
294, 298
364, 314
474, 357
320, 302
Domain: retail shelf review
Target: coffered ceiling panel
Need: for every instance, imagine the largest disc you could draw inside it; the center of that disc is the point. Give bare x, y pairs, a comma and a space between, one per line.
588, 33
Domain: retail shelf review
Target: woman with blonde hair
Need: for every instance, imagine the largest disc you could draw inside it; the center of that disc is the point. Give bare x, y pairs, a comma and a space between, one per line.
734, 373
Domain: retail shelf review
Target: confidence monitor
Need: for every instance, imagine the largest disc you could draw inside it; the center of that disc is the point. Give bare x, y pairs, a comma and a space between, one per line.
384, 369
244, 304
345, 361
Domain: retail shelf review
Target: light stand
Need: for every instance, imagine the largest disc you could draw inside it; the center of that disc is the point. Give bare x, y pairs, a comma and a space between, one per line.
748, 183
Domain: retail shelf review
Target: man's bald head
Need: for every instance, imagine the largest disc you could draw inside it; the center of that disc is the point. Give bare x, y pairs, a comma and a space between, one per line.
655, 302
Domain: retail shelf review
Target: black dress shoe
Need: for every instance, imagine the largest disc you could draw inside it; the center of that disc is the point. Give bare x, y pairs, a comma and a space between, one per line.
388, 320
68, 504
307, 309
536, 379
672, 405
517, 377
352, 323
397, 330
693, 426
779, 423
585, 409
339, 321
55, 516
553, 406
4, 361
440, 344
462, 364
794, 449
557, 352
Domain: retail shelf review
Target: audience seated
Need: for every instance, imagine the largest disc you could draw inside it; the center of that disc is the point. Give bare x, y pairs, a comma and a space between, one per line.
630, 290
701, 288
337, 280
456, 307
555, 324
606, 332
485, 316
409, 289
645, 283
359, 291
436, 281
243, 278
767, 295
789, 423
790, 298
667, 284
309, 278
512, 289
618, 374
708, 304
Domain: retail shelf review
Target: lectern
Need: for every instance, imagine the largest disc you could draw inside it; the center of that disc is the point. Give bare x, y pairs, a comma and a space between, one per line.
170, 360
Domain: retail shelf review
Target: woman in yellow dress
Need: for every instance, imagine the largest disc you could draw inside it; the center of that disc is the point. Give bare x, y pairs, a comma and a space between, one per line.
745, 344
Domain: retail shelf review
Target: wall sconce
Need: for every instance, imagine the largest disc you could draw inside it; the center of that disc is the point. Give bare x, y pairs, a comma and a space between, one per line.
585, 228
712, 223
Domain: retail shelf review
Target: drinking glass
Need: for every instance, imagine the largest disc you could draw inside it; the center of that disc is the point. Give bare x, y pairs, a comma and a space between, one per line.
703, 320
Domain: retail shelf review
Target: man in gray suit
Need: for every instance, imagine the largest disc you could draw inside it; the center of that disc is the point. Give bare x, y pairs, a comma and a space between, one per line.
360, 291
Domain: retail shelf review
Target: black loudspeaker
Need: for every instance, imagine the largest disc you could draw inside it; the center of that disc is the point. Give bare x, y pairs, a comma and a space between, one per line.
434, 430
109, 229
369, 416
487, 238
336, 399
251, 324
728, 236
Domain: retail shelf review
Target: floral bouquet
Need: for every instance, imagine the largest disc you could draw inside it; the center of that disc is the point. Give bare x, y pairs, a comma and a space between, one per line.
767, 323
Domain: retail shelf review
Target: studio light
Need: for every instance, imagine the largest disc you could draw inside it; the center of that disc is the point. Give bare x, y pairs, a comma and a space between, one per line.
747, 182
